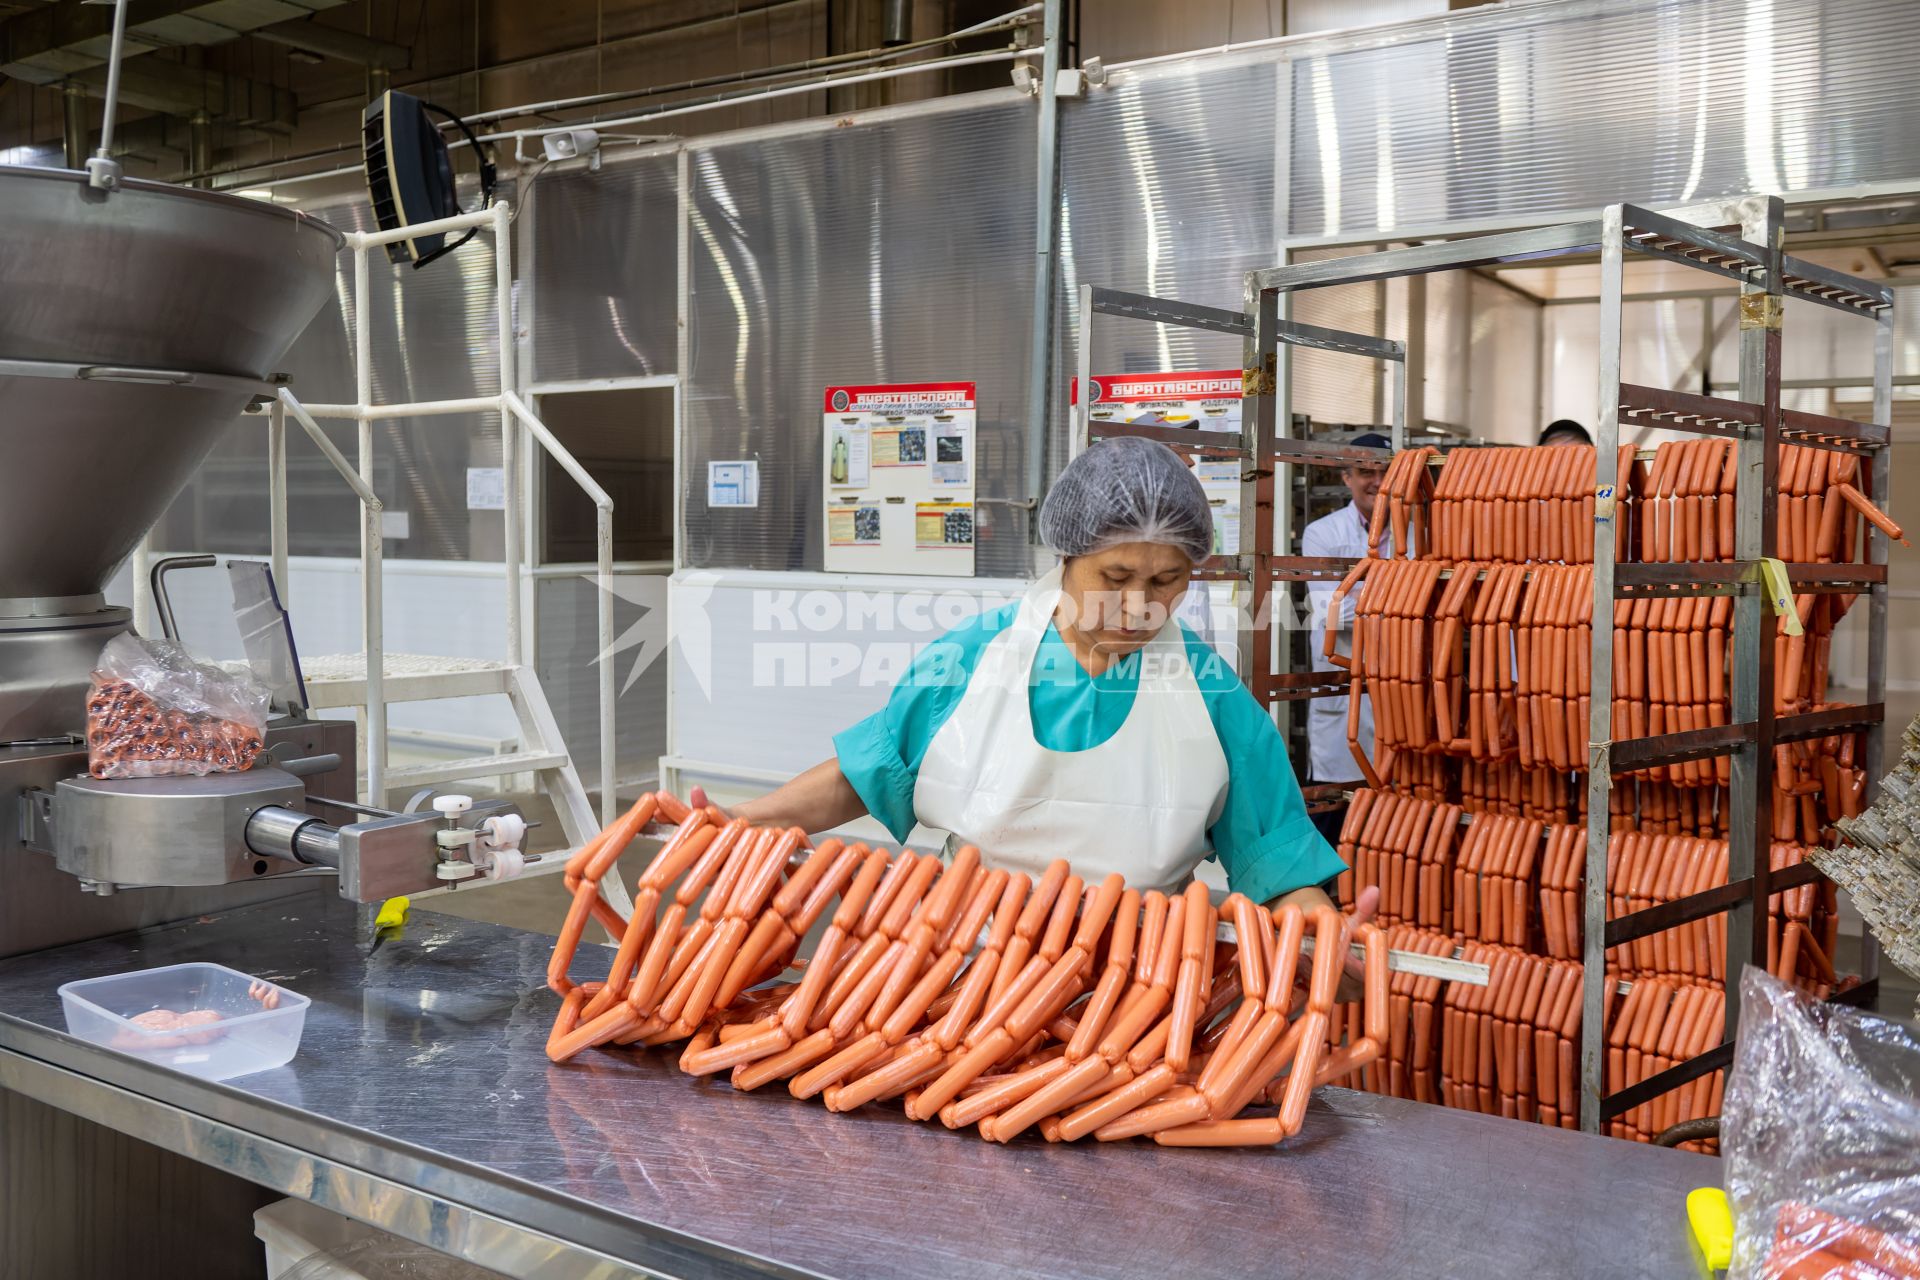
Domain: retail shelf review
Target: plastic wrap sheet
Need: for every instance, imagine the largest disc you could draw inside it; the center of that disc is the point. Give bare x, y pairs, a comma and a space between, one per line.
1821, 1132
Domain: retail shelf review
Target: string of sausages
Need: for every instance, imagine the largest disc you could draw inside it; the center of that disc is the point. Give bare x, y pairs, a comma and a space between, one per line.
974, 996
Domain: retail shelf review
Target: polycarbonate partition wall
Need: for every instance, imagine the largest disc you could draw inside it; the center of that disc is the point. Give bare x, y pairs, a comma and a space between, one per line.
433, 336
1166, 188
897, 249
900, 247
1524, 109
606, 271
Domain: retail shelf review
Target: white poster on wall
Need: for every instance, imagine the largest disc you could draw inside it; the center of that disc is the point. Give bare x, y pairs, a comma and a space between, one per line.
733, 484
898, 470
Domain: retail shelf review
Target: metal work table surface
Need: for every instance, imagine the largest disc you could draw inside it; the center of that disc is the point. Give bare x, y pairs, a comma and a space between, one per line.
422, 1100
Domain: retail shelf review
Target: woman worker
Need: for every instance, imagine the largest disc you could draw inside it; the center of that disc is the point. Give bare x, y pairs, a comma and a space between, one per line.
1081, 721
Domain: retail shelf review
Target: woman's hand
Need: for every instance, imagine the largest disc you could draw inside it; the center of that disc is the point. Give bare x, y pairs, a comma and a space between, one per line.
817, 800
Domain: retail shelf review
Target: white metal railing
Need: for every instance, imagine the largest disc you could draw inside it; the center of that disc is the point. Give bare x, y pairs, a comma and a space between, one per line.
515, 418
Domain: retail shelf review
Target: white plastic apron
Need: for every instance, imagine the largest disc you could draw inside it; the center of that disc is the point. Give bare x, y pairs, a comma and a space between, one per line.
1139, 803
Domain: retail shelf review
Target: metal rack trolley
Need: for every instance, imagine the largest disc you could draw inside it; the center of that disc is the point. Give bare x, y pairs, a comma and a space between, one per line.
1266, 455
1695, 237
1740, 240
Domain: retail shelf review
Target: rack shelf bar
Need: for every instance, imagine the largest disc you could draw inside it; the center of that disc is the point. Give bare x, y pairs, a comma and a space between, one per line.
1630, 754
1819, 724
1422, 259
1617, 1104
1832, 288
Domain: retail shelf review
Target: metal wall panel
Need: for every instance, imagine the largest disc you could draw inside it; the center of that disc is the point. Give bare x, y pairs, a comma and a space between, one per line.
1545, 108
890, 250
606, 260
1167, 183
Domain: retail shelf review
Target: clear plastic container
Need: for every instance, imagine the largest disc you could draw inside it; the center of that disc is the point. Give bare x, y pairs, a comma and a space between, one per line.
245, 1038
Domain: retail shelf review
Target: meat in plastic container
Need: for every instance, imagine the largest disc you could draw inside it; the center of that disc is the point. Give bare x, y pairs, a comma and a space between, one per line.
203, 1019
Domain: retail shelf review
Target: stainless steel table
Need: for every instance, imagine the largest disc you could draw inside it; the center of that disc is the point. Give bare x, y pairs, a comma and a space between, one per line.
422, 1101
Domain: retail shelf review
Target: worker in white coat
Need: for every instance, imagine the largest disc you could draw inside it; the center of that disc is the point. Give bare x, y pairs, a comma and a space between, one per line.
1343, 534
1082, 721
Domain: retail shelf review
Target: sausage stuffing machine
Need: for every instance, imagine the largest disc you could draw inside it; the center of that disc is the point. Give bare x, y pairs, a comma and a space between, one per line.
140, 322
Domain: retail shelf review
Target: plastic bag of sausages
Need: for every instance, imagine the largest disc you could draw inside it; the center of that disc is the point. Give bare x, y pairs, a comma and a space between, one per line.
1821, 1135
154, 712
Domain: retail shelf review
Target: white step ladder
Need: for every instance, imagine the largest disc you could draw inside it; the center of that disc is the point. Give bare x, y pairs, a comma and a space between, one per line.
339, 681
367, 681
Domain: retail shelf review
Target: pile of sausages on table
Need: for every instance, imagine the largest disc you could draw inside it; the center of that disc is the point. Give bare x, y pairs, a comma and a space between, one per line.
1473, 643
976, 997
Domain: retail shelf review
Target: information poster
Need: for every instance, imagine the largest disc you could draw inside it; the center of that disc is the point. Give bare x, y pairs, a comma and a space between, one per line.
943, 524
733, 484
1208, 401
952, 451
853, 524
898, 463
849, 457
1221, 480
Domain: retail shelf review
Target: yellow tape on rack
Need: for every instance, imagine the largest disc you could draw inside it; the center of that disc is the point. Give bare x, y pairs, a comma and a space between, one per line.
1773, 576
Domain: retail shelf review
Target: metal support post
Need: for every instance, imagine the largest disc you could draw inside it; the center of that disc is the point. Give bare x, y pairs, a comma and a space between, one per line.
1879, 490
372, 549
1259, 413
1083, 395
73, 100
1046, 183
277, 498
200, 146
1607, 484
1274, 643
1416, 408
1749, 795
509, 425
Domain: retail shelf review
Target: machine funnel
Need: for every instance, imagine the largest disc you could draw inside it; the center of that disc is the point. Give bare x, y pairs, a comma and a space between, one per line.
132, 322
136, 326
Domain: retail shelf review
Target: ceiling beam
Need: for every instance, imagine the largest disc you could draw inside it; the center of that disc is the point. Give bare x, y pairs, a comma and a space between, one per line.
157, 84
63, 39
333, 42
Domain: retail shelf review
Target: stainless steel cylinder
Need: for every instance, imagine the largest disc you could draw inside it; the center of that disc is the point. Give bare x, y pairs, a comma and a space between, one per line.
276, 832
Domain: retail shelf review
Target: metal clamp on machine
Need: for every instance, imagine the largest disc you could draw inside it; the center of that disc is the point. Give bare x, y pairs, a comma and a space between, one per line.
236, 826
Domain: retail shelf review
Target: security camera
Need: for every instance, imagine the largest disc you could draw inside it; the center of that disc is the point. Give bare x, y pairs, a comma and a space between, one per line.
572, 144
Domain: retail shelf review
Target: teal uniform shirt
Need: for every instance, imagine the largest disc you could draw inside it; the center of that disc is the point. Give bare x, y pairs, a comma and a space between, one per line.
1263, 837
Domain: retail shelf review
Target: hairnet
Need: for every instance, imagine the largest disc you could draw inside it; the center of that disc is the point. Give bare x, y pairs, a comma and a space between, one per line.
1127, 489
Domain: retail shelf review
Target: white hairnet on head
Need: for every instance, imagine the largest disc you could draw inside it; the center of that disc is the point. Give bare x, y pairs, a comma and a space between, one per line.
1127, 489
